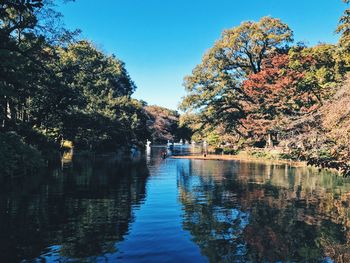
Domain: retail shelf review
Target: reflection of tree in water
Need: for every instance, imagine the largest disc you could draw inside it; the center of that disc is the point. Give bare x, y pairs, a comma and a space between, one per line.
256, 212
84, 209
213, 217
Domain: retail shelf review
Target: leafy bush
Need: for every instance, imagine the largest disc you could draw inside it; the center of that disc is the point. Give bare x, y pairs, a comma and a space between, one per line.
16, 157
227, 150
286, 156
261, 154
218, 150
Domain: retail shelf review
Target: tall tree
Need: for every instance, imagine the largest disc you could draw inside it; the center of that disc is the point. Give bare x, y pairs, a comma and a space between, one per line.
28, 55
19, 48
101, 109
274, 95
215, 86
55, 87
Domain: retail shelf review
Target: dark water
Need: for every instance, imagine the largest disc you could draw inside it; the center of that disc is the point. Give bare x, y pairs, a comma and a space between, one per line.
94, 210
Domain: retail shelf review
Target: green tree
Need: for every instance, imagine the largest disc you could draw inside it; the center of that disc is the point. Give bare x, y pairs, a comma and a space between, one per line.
215, 87
53, 87
343, 30
102, 109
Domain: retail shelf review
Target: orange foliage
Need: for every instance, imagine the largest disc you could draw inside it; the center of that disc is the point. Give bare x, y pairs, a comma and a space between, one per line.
274, 94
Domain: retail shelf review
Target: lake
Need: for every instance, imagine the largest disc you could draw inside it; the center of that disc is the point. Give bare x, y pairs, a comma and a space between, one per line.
176, 210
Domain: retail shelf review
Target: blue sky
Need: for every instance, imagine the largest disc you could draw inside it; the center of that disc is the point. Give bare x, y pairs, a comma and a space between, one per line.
161, 41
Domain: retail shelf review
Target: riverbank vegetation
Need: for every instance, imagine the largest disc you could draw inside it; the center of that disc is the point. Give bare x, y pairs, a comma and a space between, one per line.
164, 125
256, 88
57, 88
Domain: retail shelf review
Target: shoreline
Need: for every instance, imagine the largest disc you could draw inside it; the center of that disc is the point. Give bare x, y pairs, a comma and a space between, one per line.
216, 157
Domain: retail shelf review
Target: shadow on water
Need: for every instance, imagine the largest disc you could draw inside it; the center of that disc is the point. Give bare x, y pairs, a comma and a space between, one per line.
79, 212
248, 212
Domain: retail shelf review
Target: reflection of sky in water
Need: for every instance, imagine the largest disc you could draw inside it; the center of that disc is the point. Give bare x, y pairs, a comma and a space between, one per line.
177, 211
228, 217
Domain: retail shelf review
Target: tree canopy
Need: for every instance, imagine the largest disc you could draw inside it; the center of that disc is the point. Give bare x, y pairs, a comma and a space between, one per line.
254, 87
54, 87
215, 86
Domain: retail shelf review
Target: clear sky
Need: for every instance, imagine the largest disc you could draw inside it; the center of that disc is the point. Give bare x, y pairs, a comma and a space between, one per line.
161, 40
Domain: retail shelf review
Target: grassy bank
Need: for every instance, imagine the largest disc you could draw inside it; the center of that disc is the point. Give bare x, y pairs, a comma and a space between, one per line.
265, 157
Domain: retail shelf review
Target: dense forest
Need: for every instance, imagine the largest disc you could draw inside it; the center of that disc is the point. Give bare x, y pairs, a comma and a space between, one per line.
255, 88
57, 88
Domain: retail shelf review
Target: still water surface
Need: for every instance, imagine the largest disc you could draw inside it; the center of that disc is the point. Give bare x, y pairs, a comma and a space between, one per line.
177, 210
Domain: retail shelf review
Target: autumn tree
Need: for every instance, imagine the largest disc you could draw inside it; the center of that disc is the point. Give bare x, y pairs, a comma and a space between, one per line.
289, 86
273, 96
252, 84
215, 88
165, 125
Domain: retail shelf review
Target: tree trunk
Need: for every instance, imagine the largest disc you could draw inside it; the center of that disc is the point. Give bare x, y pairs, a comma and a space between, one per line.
269, 143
